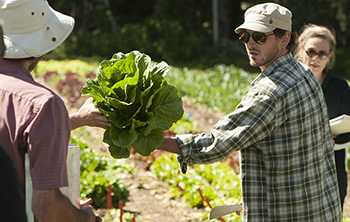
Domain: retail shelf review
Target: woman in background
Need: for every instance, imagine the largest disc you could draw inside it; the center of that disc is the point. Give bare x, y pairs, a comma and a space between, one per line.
316, 46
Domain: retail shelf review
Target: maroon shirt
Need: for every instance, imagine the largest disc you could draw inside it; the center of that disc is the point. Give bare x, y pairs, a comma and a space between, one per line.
33, 119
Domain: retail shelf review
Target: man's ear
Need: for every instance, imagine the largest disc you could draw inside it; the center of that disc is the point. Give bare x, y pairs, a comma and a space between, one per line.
286, 39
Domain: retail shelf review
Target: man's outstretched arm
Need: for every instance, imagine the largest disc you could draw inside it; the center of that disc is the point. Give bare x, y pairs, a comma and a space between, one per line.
170, 145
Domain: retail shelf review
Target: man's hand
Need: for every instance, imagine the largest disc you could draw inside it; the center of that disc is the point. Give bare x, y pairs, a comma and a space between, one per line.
52, 206
85, 206
88, 210
88, 115
87, 202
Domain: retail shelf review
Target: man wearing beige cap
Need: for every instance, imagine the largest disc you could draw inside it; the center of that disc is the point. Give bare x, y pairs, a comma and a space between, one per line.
280, 127
33, 119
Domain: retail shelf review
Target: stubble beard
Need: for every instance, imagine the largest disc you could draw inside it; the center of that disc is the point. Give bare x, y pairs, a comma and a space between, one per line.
265, 59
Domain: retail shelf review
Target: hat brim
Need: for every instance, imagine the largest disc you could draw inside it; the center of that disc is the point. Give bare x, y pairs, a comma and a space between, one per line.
254, 26
39, 42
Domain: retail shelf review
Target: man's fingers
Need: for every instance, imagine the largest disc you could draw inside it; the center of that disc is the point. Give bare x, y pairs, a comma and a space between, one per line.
85, 202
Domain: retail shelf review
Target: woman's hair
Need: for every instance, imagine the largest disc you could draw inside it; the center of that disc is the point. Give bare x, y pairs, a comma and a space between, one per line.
310, 31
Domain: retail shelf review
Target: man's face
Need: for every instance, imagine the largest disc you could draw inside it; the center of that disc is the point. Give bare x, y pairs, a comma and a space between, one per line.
262, 55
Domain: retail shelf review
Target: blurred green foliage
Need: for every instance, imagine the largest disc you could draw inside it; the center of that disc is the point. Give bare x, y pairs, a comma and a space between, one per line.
219, 88
181, 32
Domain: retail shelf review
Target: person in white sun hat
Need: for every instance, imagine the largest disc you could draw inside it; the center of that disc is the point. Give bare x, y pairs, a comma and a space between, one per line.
29, 36
33, 119
12, 206
281, 128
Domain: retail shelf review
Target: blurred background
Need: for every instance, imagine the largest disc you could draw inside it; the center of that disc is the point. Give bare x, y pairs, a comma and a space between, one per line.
192, 33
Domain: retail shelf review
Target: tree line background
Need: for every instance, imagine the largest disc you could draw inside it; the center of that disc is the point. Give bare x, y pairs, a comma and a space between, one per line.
180, 32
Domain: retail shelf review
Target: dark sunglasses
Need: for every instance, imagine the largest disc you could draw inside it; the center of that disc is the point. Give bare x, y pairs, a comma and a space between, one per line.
258, 37
321, 54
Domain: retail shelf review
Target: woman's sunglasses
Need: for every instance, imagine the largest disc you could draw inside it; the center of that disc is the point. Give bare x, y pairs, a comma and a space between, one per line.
258, 37
321, 54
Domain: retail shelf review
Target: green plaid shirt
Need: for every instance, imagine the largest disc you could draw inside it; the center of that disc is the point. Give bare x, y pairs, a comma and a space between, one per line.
287, 159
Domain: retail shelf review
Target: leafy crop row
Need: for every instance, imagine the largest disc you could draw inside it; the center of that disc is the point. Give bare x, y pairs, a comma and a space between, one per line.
97, 172
219, 88
216, 182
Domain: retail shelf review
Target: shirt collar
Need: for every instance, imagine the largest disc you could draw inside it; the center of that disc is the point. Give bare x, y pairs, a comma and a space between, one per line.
273, 66
9, 66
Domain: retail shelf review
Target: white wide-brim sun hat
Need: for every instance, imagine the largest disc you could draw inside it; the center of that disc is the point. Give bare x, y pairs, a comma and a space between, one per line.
32, 28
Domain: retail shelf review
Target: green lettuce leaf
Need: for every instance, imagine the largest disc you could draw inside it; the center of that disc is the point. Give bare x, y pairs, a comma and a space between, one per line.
167, 107
115, 151
93, 88
145, 145
122, 137
132, 92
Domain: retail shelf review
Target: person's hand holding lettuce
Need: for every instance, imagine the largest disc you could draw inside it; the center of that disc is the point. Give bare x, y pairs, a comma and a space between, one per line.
134, 95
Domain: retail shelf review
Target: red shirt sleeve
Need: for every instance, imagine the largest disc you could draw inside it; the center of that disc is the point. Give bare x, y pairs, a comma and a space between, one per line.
48, 137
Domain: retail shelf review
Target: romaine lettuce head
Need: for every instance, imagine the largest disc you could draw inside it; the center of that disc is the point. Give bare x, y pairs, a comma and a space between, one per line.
133, 94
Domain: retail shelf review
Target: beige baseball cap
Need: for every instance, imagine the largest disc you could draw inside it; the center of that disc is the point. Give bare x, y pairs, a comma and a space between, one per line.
266, 17
32, 28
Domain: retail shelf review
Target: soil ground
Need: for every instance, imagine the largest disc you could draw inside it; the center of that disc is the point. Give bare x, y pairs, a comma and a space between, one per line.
149, 198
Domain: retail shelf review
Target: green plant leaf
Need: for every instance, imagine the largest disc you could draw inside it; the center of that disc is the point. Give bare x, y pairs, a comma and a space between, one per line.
122, 137
160, 69
145, 145
163, 107
92, 88
136, 98
116, 151
119, 152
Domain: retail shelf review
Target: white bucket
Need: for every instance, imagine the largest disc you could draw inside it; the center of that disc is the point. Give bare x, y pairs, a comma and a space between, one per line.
72, 191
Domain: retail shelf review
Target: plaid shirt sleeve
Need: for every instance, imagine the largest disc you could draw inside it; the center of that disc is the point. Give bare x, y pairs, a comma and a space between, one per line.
249, 123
